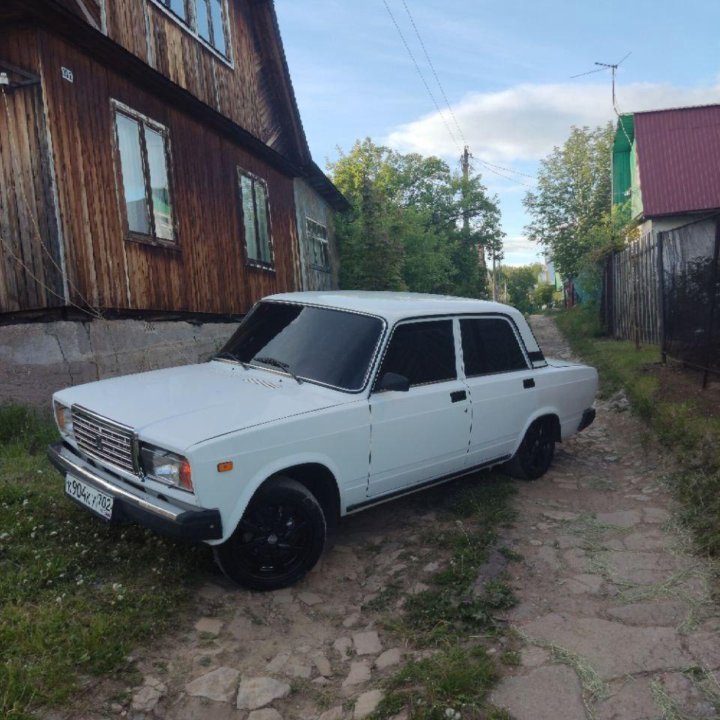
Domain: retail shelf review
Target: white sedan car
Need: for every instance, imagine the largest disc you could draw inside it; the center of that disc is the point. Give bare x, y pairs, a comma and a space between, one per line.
320, 405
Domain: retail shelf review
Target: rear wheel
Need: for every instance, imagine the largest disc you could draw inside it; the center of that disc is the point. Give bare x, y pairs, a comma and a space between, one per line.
536, 452
279, 539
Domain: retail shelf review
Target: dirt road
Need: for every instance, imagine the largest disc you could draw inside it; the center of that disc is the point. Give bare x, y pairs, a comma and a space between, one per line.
616, 616
615, 620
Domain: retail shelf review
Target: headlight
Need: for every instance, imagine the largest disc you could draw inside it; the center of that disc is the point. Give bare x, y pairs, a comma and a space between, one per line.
63, 418
166, 467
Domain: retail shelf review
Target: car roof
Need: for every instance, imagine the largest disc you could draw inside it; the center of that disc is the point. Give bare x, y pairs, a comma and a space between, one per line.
395, 306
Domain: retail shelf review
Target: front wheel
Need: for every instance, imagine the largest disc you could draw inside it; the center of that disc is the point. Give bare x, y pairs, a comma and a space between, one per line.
536, 452
279, 539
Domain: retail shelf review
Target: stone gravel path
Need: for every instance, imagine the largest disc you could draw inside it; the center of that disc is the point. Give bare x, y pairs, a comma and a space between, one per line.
615, 616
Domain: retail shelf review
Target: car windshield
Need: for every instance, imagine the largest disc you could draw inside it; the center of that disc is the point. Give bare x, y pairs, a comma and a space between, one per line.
331, 347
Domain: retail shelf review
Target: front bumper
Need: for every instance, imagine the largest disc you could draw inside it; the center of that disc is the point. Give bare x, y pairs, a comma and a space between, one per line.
588, 417
131, 504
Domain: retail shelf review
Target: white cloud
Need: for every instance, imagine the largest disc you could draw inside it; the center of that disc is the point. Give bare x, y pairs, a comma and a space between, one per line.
519, 250
525, 122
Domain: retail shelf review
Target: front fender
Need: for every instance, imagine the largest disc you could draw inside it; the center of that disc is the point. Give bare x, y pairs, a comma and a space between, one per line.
232, 517
338, 439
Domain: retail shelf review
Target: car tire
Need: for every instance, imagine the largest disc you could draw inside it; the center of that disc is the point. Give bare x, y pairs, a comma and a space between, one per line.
535, 454
279, 539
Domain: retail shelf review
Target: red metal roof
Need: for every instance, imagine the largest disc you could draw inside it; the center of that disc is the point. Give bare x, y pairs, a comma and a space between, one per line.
678, 155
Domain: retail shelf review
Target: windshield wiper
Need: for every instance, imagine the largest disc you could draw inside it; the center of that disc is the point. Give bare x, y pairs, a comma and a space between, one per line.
279, 364
227, 355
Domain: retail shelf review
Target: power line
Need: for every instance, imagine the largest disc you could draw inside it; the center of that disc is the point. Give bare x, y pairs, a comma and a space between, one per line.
491, 167
434, 72
420, 73
506, 169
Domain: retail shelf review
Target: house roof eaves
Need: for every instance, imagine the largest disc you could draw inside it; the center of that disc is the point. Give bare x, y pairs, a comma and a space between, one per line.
322, 184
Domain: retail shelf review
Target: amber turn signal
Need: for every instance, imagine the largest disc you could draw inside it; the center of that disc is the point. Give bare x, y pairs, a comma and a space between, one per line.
225, 466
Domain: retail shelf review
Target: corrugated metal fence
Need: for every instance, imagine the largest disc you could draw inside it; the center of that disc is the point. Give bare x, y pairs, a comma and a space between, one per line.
664, 289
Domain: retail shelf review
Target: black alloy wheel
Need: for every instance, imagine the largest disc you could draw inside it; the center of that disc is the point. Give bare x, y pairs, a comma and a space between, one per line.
279, 539
536, 452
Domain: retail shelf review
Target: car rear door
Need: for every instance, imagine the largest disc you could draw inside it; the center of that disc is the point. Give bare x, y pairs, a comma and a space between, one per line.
501, 386
421, 434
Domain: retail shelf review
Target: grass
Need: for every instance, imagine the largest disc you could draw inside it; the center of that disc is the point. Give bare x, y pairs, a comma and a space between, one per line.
451, 620
75, 594
593, 687
681, 424
449, 611
705, 683
453, 683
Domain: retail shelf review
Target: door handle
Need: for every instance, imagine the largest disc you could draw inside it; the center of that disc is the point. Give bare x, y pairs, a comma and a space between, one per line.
528, 383
458, 396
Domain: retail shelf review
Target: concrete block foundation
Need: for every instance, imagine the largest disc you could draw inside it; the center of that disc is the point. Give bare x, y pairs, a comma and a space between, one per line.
36, 359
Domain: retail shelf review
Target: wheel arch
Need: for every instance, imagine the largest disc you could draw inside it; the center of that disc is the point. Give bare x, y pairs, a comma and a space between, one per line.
316, 476
321, 482
549, 414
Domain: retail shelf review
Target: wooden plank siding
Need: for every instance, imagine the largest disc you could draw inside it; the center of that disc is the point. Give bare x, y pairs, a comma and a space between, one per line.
244, 88
57, 148
30, 261
207, 273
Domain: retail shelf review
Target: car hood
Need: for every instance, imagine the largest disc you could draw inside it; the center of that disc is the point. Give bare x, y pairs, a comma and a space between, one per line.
179, 407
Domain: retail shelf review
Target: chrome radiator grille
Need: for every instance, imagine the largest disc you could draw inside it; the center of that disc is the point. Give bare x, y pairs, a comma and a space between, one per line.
103, 439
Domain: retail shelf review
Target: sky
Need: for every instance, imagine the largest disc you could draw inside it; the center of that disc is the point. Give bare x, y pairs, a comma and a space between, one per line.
505, 70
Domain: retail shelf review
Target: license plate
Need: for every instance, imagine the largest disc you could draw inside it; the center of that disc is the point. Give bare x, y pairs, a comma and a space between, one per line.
90, 497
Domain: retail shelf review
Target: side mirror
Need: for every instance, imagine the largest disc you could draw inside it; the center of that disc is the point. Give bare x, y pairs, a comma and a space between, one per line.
393, 381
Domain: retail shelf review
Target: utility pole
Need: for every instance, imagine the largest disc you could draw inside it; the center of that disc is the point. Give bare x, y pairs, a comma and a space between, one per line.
494, 279
465, 160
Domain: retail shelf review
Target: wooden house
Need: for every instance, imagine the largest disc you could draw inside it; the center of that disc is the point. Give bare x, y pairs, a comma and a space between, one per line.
152, 160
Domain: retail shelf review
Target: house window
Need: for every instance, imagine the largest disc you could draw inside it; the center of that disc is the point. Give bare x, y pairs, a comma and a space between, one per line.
318, 245
204, 18
256, 219
143, 164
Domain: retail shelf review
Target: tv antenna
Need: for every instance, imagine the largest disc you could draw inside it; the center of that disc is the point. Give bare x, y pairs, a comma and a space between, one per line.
613, 69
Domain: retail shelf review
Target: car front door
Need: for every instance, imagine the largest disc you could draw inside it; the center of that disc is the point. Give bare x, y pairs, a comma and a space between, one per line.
422, 433
501, 387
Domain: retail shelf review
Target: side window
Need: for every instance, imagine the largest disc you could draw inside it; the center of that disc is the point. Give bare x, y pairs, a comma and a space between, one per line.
144, 167
424, 352
490, 346
256, 219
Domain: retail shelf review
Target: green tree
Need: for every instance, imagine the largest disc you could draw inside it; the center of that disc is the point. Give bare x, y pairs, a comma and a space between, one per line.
543, 295
404, 230
518, 284
571, 205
